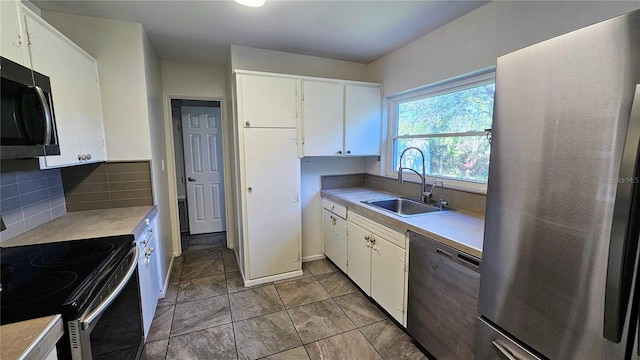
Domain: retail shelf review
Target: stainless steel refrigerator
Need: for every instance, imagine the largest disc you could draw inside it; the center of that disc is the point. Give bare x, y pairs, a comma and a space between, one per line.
560, 259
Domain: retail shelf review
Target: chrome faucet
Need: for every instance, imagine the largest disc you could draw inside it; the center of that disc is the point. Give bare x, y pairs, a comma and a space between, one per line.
429, 194
423, 192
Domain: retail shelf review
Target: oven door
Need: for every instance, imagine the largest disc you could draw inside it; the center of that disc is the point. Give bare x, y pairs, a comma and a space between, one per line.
111, 328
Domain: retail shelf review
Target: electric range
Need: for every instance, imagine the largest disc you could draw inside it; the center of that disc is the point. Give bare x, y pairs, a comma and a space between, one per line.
92, 283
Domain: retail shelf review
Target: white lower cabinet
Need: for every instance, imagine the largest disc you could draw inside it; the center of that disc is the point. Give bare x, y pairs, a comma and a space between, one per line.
148, 273
335, 233
388, 276
359, 256
377, 263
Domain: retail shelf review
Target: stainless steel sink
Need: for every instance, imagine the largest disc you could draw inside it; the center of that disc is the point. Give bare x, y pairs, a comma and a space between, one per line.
405, 207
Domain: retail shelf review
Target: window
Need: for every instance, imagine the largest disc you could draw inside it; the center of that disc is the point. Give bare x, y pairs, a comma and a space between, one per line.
449, 123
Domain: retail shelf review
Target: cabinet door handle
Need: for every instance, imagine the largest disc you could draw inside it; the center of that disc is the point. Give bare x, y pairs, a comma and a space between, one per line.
339, 152
348, 151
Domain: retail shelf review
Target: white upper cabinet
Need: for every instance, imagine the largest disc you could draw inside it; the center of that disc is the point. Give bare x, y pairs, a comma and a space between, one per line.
340, 119
267, 101
362, 120
11, 42
322, 114
76, 96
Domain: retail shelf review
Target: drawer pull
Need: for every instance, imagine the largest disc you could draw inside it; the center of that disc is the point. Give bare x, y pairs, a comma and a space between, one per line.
444, 253
469, 261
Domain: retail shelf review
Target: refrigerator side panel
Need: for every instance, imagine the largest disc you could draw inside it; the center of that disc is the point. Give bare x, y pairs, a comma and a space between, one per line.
560, 120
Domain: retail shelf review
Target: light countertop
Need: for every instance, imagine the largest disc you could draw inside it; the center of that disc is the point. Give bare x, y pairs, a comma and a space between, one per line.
84, 225
459, 229
30, 339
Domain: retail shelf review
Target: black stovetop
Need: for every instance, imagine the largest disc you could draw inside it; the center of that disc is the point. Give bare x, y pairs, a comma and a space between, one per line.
56, 278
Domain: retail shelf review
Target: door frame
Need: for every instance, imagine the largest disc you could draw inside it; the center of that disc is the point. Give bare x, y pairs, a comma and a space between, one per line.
226, 166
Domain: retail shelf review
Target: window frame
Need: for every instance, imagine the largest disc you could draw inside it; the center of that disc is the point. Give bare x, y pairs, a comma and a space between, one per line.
482, 77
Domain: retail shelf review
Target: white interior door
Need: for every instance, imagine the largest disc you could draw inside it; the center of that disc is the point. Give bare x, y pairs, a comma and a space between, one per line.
203, 168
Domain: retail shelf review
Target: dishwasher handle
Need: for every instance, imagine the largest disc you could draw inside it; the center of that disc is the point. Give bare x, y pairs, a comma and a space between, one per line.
459, 258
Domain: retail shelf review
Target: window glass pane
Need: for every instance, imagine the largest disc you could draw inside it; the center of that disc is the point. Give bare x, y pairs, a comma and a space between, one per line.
460, 157
459, 111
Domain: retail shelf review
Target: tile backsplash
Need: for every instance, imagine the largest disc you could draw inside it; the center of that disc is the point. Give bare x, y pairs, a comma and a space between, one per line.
342, 181
28, 196
107, 185
458, 199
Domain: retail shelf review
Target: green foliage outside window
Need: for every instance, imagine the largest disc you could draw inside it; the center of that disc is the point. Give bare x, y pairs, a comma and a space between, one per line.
450, 129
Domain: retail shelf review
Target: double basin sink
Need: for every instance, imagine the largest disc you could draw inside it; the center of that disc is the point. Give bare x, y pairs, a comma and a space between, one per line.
405, 207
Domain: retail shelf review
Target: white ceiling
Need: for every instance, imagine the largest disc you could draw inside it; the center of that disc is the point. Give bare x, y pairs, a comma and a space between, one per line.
200, 31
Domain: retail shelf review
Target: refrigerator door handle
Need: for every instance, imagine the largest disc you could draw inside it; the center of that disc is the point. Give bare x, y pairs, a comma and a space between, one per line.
502, 351
624, 231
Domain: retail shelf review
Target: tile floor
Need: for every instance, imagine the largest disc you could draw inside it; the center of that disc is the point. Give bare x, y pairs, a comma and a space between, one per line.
209, 314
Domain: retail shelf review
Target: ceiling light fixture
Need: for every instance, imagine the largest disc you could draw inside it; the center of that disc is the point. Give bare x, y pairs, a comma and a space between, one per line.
251, 3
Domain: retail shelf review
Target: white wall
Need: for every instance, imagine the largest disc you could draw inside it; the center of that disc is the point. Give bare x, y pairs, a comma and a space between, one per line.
247, 58
235, 231
182, 80
117, 46
474, 42
159, 173
312, 168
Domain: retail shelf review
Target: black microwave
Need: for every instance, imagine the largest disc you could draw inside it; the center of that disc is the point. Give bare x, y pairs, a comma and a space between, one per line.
28, 127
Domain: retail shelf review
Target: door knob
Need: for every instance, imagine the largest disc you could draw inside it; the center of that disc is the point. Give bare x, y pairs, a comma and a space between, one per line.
191, 179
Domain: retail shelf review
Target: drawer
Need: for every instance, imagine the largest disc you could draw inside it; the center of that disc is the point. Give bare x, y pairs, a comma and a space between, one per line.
389, 234
335, 208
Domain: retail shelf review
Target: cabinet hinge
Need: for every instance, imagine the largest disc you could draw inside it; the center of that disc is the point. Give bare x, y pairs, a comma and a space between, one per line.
298, 256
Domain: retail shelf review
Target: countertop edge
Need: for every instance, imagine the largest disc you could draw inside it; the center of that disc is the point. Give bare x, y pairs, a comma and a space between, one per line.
31, 339
85, 225
45, 341
399, 224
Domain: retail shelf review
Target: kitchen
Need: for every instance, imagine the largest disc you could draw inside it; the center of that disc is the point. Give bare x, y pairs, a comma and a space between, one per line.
491, 30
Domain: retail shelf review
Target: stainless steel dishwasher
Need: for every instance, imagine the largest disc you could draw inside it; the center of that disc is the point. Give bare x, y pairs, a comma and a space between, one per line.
443, 298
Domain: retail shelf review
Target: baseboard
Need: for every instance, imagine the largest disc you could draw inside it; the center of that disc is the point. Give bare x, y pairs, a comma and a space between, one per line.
163, 292
267, 279
313, 257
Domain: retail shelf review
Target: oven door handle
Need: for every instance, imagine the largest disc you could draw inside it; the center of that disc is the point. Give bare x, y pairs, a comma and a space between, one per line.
87, 320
